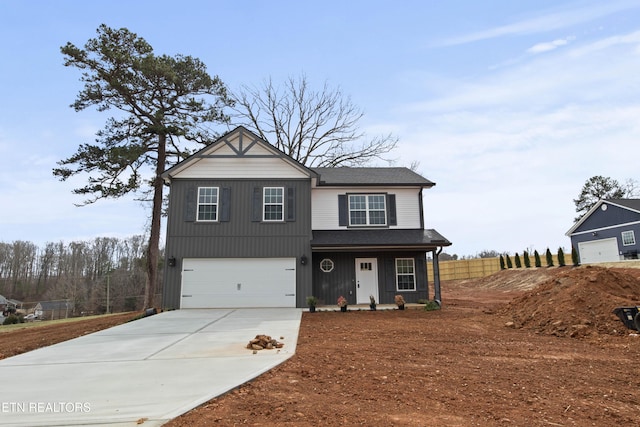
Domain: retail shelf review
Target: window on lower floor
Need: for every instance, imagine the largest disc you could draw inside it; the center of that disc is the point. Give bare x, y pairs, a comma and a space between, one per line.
405, 274
207, 203
628, 238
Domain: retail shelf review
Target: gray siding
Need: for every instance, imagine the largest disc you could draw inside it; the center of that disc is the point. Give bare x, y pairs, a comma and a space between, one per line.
608, 225
611, 217
239, 237
609, 233
327, 287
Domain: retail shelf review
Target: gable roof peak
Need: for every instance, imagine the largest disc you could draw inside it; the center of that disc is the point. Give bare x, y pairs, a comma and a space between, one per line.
239, 143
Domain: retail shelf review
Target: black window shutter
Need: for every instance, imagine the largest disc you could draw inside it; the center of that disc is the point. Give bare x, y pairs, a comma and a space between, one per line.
291, 204
225, 204
390, 274
190, 203
256, 206
420, 266
343, 210
392, 218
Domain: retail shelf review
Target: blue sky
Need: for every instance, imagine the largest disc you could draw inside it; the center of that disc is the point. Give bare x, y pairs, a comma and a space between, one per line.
508, 106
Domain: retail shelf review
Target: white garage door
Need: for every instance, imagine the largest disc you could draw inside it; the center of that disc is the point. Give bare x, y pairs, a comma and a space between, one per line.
238, 282
603, 250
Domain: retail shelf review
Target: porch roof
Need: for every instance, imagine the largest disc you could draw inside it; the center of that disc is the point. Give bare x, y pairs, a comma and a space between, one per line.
387, 239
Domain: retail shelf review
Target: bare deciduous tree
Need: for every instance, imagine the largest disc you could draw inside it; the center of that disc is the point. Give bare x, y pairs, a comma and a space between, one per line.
316, 128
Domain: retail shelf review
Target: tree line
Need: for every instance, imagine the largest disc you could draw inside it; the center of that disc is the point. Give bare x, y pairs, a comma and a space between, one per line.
82, 273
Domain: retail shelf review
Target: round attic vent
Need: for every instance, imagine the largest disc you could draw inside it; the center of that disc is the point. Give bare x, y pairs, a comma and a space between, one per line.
603, 207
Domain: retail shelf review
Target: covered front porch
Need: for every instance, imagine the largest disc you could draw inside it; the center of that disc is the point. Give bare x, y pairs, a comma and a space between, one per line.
358, 264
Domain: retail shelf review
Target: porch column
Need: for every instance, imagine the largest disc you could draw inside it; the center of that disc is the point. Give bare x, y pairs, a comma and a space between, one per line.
436, 277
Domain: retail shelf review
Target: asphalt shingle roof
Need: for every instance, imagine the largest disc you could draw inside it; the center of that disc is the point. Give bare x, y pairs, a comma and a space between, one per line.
371, 176
389, 238
627, 203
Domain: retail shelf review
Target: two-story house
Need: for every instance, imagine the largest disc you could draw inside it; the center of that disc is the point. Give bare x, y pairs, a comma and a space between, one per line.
248, 226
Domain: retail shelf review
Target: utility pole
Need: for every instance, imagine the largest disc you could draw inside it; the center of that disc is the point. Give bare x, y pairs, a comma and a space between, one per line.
108, 275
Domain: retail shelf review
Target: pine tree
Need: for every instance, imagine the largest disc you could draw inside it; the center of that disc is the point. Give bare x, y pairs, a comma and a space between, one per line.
527, 261
549, 258
561, 262
502, 267
517, 259
574, 257
509, 265
536, 257
166, 106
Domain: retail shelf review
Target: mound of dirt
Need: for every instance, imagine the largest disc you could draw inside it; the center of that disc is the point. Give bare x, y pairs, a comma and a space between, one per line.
576, 303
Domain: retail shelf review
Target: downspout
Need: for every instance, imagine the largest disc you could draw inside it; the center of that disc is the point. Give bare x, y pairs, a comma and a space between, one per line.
436, 277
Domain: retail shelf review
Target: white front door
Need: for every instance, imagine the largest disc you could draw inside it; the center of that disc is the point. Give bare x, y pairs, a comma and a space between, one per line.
366, 279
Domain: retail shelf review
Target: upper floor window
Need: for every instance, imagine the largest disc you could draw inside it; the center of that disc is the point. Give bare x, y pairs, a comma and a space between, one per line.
207, 204
273, 204
367, 209
628, 238
405, 274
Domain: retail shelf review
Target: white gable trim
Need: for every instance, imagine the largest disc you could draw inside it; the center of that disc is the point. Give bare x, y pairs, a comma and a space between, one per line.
591, 211
239, 154
611, 227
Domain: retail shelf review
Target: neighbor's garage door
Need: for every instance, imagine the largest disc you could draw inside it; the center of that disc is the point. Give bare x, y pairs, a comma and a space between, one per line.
238, 282
603, 250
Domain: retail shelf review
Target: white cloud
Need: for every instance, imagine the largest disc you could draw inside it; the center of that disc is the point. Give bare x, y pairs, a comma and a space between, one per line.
549, 46
510, 151
554, 19
608, 43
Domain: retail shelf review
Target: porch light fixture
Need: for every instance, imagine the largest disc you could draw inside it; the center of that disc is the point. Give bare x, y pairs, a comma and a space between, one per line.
172, 261
303, 260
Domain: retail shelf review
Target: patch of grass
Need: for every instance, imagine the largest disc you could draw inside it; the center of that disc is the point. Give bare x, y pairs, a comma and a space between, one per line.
38, 323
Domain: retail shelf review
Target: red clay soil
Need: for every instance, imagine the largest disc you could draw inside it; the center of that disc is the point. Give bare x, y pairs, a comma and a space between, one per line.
527, 347
501, 352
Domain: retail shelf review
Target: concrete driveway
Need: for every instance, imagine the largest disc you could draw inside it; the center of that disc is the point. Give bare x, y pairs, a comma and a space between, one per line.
150, 370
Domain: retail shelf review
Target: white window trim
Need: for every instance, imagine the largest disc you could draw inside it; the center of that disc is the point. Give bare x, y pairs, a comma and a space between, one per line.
216, 204
367, 210
633, 238
264, 204
413, 274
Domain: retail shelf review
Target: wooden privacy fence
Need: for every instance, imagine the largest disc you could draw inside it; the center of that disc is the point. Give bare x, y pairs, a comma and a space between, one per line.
481, 267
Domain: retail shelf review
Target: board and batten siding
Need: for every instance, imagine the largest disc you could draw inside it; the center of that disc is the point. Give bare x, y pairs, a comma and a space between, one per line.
240, 210
324, 206
240, 236
341, 281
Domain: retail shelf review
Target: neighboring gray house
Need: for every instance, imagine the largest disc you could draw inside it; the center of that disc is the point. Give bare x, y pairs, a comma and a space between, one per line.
50, 310
608, 231
249, 226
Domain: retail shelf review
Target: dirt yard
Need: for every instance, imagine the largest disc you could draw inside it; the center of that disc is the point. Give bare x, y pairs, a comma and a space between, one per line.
563, 360
530, 347
17, 339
